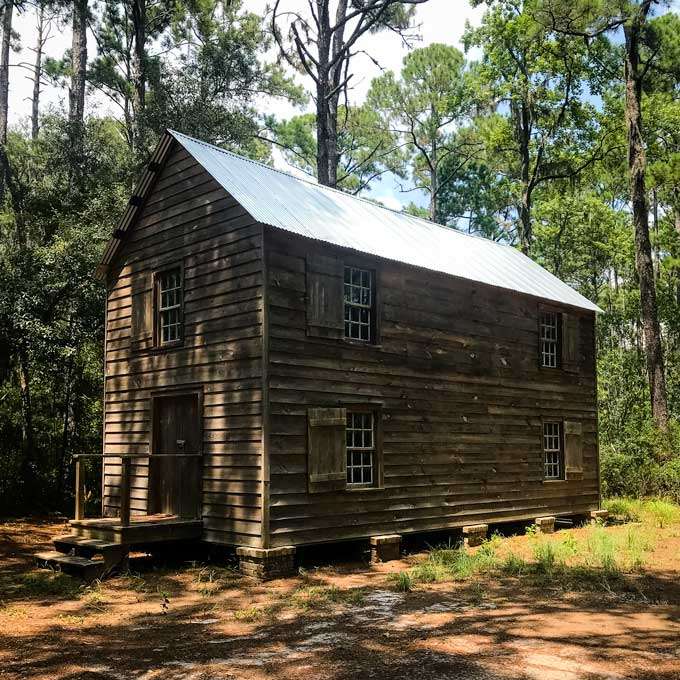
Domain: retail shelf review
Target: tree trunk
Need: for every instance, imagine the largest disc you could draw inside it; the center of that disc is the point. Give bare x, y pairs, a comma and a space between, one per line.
643, 251
7, 10
655, 223
434, 179
6, 23
76, 96
521, 114
37, 73
139, 70
63, 448
28, 463
326, 138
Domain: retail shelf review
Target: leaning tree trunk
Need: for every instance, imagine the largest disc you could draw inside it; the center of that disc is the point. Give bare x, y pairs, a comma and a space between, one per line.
643, 250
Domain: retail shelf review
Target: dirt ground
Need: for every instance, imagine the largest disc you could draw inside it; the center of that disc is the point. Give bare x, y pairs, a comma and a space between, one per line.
201, 621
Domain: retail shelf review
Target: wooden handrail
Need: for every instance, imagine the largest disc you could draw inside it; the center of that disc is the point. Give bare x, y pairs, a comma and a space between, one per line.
80, 492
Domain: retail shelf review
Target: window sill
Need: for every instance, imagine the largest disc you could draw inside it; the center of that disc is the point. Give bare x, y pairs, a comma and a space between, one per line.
361, 343
169, 345
554, 481
362, 489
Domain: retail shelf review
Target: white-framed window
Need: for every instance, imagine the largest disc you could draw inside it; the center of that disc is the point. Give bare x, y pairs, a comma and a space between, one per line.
549, 327
169, 305
552, 450
359, 296
360, 433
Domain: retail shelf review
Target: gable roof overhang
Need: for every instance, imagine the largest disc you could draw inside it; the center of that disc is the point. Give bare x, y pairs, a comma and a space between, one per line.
301, 207
136, 203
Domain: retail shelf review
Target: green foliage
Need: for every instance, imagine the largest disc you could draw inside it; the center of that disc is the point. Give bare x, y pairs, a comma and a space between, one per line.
642, 463
367, 149
534, 123
424, 105
211, 91
51, 307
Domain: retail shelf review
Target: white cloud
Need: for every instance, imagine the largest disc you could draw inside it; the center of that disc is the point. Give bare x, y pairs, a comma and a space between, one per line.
388, 200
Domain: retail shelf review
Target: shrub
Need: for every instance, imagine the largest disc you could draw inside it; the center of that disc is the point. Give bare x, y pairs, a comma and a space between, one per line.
642, 462
626, 509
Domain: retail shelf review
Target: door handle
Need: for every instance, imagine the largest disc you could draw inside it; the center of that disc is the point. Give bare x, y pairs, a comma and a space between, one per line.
181, 443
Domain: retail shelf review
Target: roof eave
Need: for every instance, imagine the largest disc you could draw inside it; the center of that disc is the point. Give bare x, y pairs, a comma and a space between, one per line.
135, 204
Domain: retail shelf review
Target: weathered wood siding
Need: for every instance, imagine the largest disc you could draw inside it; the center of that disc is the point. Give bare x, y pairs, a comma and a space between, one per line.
462, 397
188, 216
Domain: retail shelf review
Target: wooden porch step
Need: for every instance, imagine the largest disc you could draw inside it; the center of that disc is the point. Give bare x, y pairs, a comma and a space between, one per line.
71, 564
85, 547
113, 554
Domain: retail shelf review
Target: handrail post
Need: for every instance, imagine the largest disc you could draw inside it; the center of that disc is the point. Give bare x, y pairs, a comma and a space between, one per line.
125, 492
80, 491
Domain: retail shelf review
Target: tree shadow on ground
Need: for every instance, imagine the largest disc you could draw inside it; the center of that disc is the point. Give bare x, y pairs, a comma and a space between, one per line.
504, 633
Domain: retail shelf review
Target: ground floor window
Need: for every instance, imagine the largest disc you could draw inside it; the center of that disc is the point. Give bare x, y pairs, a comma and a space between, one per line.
360, 433
552, 450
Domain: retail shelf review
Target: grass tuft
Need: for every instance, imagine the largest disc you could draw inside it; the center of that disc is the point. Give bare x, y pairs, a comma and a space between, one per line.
402, 581
319, 597
514, 565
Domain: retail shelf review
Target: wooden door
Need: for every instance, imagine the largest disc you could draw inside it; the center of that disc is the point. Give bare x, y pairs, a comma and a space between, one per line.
175, 481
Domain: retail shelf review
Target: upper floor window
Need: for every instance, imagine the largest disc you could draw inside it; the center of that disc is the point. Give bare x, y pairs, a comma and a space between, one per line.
169, 311
549, 327
359, 294
360, 433
552, 450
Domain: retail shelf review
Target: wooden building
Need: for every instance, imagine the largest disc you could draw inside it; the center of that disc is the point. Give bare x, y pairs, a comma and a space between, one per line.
287, 365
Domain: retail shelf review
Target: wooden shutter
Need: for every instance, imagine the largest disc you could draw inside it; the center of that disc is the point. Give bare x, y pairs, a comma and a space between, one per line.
142, 313
326, 460
570, 343
573, 450
325, 300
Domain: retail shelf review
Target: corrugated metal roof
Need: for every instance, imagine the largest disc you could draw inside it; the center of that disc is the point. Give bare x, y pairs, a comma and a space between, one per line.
302, 207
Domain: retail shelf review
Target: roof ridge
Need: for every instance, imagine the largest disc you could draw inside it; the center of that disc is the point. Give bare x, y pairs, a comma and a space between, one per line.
323, 187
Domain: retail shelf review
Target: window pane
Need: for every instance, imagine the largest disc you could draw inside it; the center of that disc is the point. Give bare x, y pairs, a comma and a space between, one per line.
549, 338
552, 450
170, 305
358, 297
360, 447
